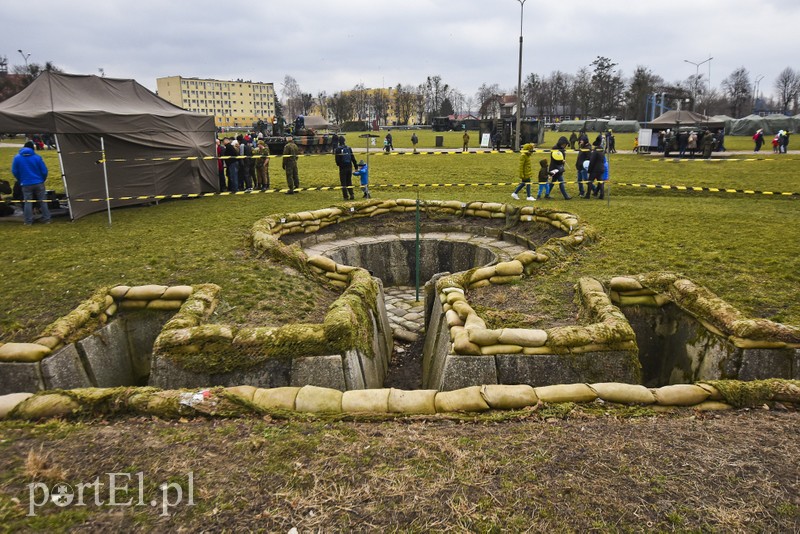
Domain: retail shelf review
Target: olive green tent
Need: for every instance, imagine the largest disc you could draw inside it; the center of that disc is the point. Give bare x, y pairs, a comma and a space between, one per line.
151, 147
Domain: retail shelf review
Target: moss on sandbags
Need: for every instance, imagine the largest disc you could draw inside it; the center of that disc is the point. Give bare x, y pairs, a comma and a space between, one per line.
764, 329
743, 394
44, 405
568, 336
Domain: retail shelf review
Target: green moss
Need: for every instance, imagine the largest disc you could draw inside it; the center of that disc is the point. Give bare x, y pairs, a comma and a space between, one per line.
754, 393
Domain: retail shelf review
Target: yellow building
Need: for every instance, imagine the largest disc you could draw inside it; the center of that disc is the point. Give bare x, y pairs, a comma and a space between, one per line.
232, 103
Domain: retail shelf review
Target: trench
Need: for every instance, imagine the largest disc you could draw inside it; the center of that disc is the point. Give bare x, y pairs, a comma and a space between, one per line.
393, 259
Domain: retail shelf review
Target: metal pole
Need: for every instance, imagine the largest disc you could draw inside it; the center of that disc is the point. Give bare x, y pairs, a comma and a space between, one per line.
105, 177
64, 177
416, 254
519, 79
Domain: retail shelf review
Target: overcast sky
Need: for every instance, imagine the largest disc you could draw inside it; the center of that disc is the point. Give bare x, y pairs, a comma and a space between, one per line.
333, 45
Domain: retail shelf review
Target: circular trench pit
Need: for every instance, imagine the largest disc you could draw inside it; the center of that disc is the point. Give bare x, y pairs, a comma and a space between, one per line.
390, 254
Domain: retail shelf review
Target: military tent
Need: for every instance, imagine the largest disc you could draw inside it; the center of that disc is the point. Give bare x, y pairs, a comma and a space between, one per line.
749, 125
624, 126
728, 120
152, 147
571, 126
777, 122
672, 118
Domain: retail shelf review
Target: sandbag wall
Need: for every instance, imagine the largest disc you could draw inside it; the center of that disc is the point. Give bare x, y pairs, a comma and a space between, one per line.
349, 350
91, 346
460, 349
243, 401
686, 333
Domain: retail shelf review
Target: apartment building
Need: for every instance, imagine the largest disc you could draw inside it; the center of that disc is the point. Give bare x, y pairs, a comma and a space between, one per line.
232, 103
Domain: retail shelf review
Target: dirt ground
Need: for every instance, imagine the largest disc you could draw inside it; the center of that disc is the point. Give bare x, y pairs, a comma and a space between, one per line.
560, 468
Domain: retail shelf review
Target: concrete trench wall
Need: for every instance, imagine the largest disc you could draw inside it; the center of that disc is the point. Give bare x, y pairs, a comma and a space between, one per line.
118, 354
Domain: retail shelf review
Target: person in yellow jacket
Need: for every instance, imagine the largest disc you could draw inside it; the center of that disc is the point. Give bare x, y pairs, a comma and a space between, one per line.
525, 171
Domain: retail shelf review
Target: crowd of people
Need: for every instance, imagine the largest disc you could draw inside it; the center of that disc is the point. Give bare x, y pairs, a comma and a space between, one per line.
591, 165
780, 143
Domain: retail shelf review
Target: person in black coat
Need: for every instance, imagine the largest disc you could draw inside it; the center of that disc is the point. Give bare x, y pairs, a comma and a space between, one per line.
347, 164
597, 162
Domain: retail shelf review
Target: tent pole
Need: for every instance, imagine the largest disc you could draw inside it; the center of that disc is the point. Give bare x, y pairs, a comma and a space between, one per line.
64, 177
105, 177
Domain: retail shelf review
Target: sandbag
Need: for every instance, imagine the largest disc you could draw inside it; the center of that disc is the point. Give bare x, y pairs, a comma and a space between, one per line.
10, 401
467, 399
23, 352
462, 344
680, 395
509, 397
323, 262
118, 292
623, 393
566, 393
366, 400
148, 292
509, 268
483, 336
522, 336
709, 405
164, 305
177, 293
624, 283
314, 399
243, 392
420, 401
491, 350
45, 405
275, 398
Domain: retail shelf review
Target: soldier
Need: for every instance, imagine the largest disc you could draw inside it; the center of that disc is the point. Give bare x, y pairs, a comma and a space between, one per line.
262, 166
707, 144
290, 153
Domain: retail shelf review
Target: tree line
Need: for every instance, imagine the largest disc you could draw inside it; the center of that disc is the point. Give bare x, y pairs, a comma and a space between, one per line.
597, 90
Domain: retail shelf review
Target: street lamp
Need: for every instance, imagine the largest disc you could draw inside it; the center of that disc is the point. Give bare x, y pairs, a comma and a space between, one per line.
755, 91
25, 57
519, 78
696, 78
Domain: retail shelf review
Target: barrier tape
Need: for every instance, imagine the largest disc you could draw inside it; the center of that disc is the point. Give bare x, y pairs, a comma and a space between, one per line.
432, 186
407, 153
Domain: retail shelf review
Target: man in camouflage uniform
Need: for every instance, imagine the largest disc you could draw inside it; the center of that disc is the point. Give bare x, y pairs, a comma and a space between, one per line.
290, 153
262, 166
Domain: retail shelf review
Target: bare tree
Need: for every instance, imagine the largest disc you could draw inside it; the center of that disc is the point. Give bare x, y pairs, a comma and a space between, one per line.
322, 103
292, 97
487, 101
435, 92
341, 107
404, 102
360, 102
379, 102
737, 89
787, 85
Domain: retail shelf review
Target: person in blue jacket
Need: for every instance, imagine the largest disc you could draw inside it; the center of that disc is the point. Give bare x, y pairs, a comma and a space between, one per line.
363, 173
30, 171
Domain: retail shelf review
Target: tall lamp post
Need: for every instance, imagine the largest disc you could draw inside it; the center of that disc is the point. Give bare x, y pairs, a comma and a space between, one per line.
25, 57
519, 79
696, 78
755, 91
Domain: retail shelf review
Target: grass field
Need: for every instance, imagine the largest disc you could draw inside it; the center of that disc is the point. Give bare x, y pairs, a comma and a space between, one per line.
746, 248
559, 468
